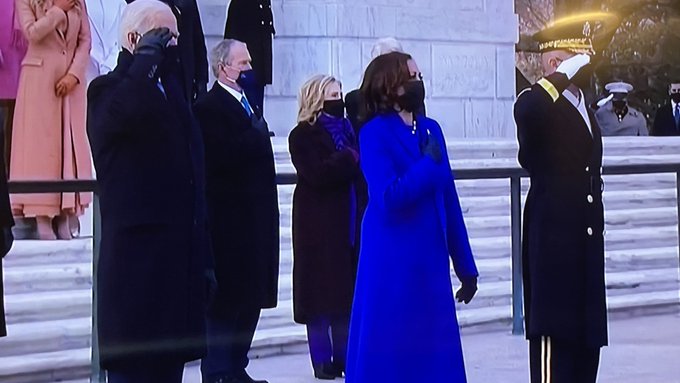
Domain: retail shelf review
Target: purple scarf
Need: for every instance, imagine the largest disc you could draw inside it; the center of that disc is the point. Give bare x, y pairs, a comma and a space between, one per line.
340, 130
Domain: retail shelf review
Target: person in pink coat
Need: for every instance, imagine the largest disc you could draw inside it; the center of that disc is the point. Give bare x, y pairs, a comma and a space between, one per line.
12, 51
49, 140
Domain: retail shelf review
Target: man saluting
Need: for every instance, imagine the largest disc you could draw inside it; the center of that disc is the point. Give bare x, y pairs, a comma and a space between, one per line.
563, 246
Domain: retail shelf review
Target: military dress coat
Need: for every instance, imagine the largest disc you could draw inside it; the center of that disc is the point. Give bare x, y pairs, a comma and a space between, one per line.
632, 124
563, 239
252, 22
48, 138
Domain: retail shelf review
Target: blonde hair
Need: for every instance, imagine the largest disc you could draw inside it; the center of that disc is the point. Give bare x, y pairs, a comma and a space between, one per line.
311, 97
141, 16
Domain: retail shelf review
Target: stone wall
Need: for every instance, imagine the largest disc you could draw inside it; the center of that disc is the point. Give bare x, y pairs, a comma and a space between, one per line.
465, 49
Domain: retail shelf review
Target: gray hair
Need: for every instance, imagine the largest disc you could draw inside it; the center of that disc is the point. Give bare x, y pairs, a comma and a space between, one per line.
386, 45
141, 16
220, 54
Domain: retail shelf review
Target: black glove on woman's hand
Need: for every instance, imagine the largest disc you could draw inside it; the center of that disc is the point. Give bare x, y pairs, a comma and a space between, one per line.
467, 290
432, 148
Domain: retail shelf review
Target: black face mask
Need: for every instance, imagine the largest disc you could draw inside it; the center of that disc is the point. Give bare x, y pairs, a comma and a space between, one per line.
413, 98
335, 108
619, 104
675, 97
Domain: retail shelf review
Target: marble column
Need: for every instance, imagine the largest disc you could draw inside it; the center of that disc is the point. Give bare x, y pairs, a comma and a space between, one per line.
465, 50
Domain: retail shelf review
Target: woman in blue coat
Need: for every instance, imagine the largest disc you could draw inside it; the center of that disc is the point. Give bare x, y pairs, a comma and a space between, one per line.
403, 326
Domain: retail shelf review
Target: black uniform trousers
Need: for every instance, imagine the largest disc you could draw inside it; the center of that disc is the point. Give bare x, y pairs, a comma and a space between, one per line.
229, 340
559, 362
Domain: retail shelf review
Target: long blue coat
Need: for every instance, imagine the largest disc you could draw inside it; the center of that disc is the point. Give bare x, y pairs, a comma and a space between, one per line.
404, 326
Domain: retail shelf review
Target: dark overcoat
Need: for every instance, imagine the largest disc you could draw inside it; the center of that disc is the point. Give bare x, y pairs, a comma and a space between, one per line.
6, 221
148, 154
252, 22
324, 217
242, 203
664, 122
563, 244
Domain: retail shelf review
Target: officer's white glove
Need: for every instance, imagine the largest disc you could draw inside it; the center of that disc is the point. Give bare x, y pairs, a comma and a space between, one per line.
604, 100
572, 65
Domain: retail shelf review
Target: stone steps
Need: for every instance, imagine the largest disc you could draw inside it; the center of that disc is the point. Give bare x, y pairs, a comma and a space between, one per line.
61, 276
47, 306
46, 336
46, 366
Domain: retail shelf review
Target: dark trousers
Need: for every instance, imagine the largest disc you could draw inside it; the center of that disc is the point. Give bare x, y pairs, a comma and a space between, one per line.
558, 362
229, 340
170, 372
328, 339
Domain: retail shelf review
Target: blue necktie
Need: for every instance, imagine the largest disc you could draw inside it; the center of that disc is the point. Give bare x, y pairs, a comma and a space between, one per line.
246, 105
677, 116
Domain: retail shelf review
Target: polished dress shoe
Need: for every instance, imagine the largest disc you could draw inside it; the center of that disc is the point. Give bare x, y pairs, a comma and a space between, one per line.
324, 372
336, 370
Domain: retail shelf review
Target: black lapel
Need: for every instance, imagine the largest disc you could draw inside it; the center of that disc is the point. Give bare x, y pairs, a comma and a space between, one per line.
228, 103
572, 114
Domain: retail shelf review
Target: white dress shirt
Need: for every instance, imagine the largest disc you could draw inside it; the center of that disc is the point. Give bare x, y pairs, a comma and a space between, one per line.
580, 105
237, 95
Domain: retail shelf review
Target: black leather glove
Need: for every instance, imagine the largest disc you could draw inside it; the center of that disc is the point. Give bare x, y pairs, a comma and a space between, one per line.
467, 291
149, 54
7, 241
154, 42
432, 148
211, 284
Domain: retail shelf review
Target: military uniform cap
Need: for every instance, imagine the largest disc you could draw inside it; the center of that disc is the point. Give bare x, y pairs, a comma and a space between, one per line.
576, 33
618, 87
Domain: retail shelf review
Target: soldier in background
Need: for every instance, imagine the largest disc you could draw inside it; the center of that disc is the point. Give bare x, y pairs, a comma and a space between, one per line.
616, 117
252, 22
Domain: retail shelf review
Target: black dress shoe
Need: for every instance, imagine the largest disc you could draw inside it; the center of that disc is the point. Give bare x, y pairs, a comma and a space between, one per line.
324, 372
336, 370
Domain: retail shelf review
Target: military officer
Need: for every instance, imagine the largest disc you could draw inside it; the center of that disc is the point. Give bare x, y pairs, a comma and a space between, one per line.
252, 22
616, 117
563, 244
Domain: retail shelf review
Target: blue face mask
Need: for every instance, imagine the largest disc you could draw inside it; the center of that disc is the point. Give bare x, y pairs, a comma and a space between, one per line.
247, 79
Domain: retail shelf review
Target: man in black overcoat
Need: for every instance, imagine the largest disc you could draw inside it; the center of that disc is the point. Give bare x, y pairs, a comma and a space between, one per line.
153, 271
191, 43
6, 237
243, 213
667, 119
252, 22
563, 244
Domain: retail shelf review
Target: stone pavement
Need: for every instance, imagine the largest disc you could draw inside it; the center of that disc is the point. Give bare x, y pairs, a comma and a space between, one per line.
642, 350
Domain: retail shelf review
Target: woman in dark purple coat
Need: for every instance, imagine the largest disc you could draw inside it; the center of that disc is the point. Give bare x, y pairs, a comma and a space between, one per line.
324, 151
